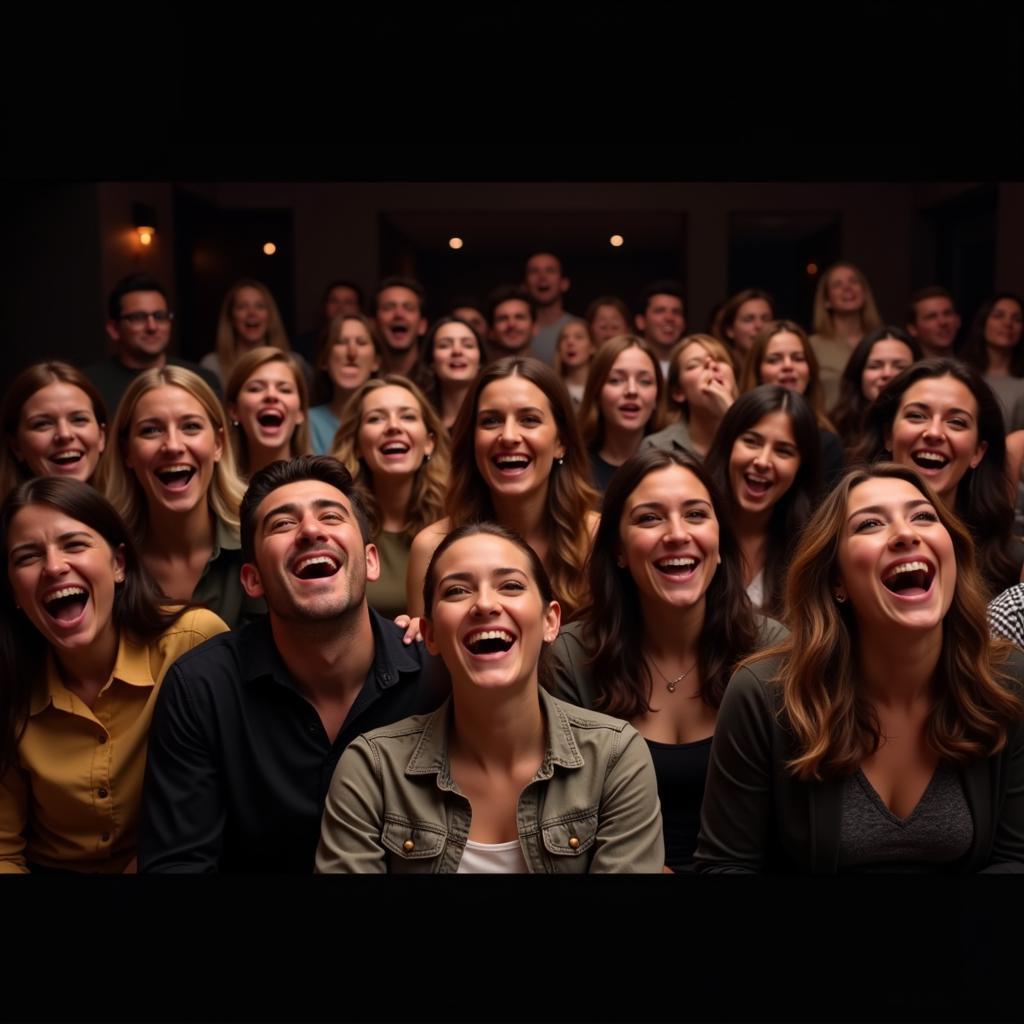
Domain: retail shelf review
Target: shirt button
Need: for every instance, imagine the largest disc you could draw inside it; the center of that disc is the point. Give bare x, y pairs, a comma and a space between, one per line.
101, 793
574, 843
408, 846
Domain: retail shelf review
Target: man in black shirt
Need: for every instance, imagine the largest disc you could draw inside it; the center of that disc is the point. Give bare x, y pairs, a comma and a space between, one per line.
139, 324
248, 728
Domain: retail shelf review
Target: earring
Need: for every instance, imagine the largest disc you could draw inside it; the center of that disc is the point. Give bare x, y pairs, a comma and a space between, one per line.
426, 458
840, 596
560, 460
234, 423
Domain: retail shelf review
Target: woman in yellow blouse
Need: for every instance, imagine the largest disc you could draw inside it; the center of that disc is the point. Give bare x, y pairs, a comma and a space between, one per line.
85, 640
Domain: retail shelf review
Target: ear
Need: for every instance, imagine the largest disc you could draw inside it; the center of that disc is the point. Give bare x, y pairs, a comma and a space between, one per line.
552, 620
427, 630
429, 446
641, 323
252, 584
422, 328
15, 451
979, 454
102, 444
565, 285
887, 439
112, 331
559, 448
218, 450
119, 564
376, 364
372, 563
232, 410
912, 330
678, 395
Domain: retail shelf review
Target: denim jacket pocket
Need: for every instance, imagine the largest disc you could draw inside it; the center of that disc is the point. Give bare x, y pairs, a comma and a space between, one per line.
570, 835
413, 840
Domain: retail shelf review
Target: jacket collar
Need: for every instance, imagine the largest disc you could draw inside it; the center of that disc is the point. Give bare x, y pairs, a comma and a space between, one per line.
431, 754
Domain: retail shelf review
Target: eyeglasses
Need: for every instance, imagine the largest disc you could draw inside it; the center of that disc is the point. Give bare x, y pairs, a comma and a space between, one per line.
139, 319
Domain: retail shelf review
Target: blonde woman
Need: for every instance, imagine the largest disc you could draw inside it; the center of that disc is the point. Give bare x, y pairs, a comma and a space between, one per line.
393, 443
170, 473
267, 401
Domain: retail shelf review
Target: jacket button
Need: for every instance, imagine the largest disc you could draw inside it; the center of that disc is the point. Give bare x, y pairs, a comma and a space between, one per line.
101, 793
408, 846
574, 843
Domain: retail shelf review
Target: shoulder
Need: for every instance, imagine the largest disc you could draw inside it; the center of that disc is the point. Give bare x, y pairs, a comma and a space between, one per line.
585, 720
769, 631
216, 657
197, 625
674, 436
571, 638
430, 536
756, 683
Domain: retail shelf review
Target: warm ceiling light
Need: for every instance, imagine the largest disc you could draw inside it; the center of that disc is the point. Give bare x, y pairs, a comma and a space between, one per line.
616, 240
812, 269
144, 222
455, 243
269, 248
145, 234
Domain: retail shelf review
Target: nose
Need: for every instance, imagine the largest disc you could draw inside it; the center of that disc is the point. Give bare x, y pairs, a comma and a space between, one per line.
487, 601
934, 428
56, 563
631, 385
903, 533
172, 440
762, 456
63, 431
678, 529
510, 431
311, 529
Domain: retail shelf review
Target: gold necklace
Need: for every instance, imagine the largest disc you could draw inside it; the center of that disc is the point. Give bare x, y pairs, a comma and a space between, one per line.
671, 684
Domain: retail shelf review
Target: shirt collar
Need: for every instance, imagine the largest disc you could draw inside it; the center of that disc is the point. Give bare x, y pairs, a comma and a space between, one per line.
225, 538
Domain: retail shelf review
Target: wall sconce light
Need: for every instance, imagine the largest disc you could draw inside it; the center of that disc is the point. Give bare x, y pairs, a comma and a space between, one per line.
144, 219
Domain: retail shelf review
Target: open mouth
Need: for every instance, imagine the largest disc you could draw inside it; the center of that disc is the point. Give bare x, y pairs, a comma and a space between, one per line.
67, 458
316, 567
629, 409
399, 330
66, 605
930, 460
511, 463
489, 641
270, 418
677, 567
394, 449
909, 579
176, 478
758, 486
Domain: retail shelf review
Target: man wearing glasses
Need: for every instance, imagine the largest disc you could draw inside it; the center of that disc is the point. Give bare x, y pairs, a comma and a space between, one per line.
139, 324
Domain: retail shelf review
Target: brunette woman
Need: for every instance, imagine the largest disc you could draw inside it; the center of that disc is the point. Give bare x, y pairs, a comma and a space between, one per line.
349, 357
171, 476
85, 640
518, 459
940, 418
993, 348
267, 401
450, 358
503, 778
741, 318
608, 317
702, 386
878, 357
54, 423
886, 734
392, 442
668, 622
574, 352
764, 459
624, 401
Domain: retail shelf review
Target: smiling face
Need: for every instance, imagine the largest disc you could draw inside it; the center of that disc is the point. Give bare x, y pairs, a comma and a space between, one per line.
697, 366
392, 437
895, 561
608, 323
936, 432
844, 292
663, 322
669, 538
516, 438
935, 323
513, 325
172, 448
489, 620
575, 347
352, 358
399, 317
63, 575
629, 392
750, 318
311, 563
249, 317
268, 407
886, 359
58, 434
764, 463
141, 337
785, 362
456, 354
1004, 324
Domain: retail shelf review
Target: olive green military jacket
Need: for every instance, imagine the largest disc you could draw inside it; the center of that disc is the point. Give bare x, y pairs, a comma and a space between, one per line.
592, 806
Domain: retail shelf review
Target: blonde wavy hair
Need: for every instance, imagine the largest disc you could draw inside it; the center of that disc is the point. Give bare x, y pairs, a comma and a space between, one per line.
118, 482
246, 366
822, 319
227, 344
426, 503
834, 726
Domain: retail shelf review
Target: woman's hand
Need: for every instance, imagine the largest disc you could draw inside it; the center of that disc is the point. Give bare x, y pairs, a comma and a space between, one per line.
719, 395
412, 628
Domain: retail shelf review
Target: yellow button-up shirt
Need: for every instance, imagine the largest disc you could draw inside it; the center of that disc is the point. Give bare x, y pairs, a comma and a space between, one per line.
72, 798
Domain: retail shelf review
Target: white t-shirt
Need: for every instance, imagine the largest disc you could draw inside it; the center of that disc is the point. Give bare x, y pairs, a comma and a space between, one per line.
493, 859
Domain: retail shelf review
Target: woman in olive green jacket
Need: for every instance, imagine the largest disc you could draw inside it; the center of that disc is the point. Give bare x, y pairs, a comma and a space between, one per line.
503, 778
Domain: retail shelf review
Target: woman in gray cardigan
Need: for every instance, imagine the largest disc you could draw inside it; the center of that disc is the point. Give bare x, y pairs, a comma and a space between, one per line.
887, 732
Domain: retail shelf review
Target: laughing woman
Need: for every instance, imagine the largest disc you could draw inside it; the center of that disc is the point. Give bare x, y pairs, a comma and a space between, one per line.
267, 401
886, 734
393, 443
502, 778
170, 475
85, 640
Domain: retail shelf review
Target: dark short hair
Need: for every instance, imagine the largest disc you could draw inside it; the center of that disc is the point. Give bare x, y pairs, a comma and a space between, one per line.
665, 286
506, 293
292, 471
933, 291
133, 283
554, 256
397, 281
343, 283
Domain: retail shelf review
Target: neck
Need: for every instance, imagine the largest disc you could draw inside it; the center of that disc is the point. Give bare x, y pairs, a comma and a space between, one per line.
93, 664
498, 351
338, 399
661, 351
619, 445
498, 729
998, 361
702, 425
576, 374
550, 313
326, 657
848, 326
898, 667
176, 533
393, 493
452, 396
931, 352
751, 531
400, 361
260, 457
526, 515
672, 635
135, 361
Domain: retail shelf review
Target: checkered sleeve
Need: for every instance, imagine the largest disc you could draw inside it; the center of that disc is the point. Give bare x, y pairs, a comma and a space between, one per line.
1006, 614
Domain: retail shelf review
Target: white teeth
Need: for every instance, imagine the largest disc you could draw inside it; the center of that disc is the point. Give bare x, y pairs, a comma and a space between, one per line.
316, 560
67, 457
175, 469
512, 460
932, 457
66, 592
683, 563
491, 634
907, 567
395, 449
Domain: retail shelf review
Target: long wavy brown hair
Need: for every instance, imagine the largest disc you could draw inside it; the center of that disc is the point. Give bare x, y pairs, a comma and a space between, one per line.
570, 495
834, 726
822, 317
426, 503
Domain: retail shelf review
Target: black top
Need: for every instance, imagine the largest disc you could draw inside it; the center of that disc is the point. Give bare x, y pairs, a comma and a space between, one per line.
239, 762
112, 378
601, 472
681, 769
832, 459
